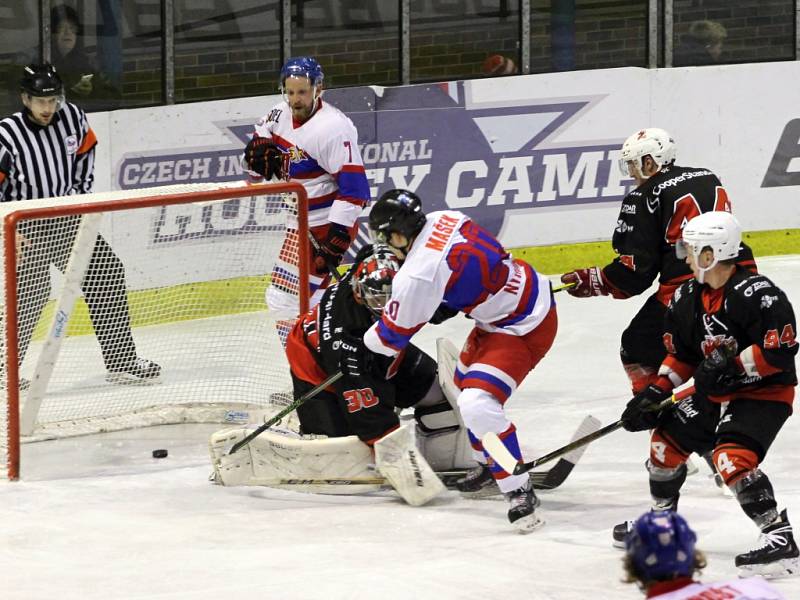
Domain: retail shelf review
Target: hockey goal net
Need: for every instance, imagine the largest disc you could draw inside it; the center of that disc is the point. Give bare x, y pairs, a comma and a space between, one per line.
175, 276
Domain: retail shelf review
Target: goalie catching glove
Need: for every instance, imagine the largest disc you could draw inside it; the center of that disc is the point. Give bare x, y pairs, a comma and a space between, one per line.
265, 158
643, 411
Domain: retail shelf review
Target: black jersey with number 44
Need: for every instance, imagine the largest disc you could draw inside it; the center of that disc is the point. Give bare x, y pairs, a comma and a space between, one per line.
650, 221
750, 313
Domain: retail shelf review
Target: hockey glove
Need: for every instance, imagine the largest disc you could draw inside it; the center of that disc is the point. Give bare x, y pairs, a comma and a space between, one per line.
720, 373
357, 361
442, 313
332, 248
643, 411
588, 282
265, 158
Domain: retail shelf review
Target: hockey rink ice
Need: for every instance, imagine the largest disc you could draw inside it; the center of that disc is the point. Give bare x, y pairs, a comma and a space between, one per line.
97, 518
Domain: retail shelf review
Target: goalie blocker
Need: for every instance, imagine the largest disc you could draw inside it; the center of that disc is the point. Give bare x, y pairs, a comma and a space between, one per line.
344, 465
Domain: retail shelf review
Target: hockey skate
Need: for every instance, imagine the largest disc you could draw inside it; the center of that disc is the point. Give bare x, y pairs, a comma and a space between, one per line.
139, 371
478, 483
621, 531
521, 513
777, 556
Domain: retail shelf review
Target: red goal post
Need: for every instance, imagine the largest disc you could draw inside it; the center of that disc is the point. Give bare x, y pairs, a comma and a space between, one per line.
198, 260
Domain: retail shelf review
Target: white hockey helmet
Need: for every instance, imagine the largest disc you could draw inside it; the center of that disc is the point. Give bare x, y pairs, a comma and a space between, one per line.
653, 142
718, 230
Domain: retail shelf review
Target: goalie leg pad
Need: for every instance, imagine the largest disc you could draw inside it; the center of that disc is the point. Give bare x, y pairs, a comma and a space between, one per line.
443, 438
400, 461
280, 458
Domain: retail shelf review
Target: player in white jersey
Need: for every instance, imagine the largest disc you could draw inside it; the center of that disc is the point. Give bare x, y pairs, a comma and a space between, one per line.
661, 558
306, 140
451, 263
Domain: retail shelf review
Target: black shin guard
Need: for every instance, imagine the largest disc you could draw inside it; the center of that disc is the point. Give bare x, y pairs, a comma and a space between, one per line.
665, 485
756, 497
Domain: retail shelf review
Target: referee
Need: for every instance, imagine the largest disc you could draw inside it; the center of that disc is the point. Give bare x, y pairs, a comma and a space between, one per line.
47, 150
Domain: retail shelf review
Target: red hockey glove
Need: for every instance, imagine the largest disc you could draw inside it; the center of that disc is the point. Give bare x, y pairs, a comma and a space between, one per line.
265, 158
588, 282
643, 412
332, 248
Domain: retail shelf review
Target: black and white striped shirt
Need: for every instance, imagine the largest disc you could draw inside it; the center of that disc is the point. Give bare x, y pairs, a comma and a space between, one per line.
44, 162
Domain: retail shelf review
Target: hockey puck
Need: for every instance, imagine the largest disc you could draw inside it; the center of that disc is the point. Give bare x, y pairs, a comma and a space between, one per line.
160, 453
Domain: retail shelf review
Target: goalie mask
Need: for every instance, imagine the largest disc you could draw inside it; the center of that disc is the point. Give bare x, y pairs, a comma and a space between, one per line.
372, 279
661, 546
718, 230
653, 142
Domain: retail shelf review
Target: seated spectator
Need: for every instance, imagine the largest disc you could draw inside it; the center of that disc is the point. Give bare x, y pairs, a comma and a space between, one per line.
497, 64
82, 81
702, 45
661, 557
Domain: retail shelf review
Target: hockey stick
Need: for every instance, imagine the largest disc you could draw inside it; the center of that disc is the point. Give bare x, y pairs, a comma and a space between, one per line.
561, 288
497, 450
291, 407
555, 476
331, 269
543, 480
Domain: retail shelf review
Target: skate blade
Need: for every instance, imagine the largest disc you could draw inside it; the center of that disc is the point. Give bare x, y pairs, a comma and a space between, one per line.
788, 567
528, 524
618, 544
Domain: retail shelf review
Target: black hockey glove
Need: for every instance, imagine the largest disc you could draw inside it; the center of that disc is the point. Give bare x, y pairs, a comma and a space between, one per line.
643, 411
442, 313
358, 361
719, 374
332, 248
265, 158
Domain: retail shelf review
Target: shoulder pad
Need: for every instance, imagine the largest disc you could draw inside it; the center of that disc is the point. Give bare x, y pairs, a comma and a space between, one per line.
753, 285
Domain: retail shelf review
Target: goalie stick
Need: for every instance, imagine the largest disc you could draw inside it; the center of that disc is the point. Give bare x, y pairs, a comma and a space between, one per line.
497, 450
543, 480
269, 423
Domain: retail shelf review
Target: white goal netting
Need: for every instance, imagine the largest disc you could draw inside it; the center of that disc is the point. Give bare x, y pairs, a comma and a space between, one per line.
144, 307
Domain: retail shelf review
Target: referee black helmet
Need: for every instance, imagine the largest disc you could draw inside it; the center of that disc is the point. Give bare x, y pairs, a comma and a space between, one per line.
41, 80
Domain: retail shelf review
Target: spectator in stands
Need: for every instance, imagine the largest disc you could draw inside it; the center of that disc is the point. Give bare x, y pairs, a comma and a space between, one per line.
78, 71
497, 64
702, 45
661, 558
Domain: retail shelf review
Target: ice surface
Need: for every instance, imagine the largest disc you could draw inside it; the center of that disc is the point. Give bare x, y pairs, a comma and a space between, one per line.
99, 518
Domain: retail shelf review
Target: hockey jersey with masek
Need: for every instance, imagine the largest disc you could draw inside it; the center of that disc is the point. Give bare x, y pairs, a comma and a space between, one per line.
457, 263
323, 156
751, 588
650, 221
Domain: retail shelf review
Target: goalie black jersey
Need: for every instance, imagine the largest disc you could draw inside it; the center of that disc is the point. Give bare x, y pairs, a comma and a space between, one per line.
750, 313
650, 222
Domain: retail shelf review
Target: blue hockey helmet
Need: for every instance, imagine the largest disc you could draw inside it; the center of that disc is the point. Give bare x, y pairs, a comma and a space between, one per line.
661, 546
302, 66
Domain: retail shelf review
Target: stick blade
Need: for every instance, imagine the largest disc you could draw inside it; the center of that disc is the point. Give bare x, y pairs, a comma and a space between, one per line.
555, 476
497, 450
